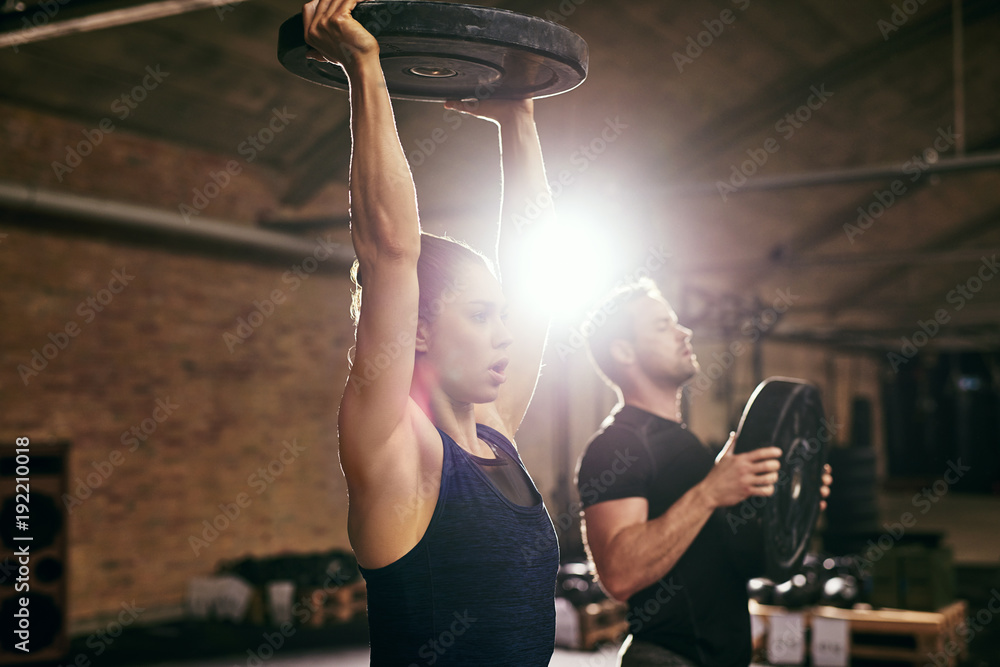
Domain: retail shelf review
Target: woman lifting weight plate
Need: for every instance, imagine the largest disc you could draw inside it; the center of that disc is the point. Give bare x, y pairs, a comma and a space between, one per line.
452, 537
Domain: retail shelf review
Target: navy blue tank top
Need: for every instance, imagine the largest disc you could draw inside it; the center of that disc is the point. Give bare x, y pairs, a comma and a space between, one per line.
479, 586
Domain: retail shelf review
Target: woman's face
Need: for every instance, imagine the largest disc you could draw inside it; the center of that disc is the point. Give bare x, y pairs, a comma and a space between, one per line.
467, 340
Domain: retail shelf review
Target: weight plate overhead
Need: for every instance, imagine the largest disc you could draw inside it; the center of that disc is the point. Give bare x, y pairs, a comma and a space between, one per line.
774, 532
436, 51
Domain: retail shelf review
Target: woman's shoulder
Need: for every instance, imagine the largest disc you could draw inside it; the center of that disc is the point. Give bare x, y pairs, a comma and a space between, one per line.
494, 437
488, 415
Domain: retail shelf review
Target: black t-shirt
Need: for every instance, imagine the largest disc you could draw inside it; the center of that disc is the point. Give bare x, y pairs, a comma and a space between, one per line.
699, 609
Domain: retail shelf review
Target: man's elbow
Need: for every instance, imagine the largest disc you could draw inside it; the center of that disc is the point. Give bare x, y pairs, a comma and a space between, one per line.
619, 593
616, 585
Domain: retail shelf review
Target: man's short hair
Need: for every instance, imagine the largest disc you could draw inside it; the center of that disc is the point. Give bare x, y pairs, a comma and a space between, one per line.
612, 321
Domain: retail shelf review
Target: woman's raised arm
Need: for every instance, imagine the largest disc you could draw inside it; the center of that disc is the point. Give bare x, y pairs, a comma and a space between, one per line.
385, 231
526, 209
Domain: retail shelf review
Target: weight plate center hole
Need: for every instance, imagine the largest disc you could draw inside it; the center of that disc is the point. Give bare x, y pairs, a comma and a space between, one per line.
795, 460
432, 72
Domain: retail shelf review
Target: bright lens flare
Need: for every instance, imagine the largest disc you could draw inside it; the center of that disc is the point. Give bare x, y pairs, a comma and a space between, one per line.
572, 265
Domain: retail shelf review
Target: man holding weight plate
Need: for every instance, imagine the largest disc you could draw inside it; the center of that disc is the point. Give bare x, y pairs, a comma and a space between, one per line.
654, 495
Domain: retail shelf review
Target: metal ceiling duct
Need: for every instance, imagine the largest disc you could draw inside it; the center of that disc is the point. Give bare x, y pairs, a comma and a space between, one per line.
132, 217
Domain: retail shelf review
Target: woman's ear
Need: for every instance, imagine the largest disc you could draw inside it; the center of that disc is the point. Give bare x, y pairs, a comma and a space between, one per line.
421, 337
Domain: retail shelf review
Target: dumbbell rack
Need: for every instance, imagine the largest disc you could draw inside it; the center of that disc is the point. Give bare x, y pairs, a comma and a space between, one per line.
602, 622
343, 605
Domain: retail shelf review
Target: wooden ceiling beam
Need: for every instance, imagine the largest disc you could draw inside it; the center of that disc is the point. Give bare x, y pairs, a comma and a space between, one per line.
58, 19
748, 118
832, 224
327, 161
968, 231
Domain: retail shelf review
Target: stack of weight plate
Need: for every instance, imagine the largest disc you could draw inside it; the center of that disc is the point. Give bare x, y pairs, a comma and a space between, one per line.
852, 514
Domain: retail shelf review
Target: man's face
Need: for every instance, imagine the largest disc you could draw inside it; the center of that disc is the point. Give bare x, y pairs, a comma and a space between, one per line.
662, 346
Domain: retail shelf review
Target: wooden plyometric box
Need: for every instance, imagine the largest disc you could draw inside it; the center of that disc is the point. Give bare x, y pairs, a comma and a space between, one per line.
898, 635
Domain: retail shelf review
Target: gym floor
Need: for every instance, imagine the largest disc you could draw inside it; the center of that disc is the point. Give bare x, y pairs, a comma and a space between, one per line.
179, 647
359, 658
221, 644
189, 644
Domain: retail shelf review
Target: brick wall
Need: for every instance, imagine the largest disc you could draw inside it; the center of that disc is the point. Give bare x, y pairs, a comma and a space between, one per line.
166, 422
126, 167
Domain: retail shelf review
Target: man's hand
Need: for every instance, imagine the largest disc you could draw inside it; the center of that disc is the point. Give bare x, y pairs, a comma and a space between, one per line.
736, 477
335, 35
824, 491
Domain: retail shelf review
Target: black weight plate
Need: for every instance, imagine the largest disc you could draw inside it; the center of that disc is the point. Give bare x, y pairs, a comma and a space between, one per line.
437, 51
786, 413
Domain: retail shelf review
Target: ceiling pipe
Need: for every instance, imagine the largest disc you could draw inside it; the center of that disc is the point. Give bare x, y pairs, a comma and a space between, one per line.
882, 342
841, 176
157, 222
847, 259
56, 19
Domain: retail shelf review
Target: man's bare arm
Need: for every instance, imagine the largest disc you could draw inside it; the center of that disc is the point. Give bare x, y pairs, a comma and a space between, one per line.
632, 553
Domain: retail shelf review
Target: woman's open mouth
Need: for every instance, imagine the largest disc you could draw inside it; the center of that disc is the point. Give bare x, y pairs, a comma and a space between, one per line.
497, 371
